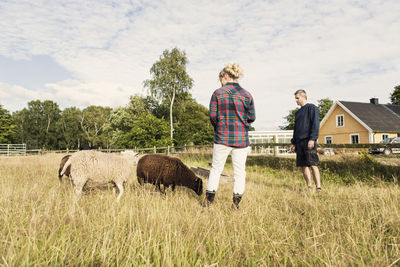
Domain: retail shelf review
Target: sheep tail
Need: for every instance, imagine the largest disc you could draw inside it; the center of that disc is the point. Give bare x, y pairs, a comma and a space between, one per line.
66, 165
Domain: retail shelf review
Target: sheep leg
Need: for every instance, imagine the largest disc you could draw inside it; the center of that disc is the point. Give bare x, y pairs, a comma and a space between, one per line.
78, 190
121, 190
159, 188
158, 185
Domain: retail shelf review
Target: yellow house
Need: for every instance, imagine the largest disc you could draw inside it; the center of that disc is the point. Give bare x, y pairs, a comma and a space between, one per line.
359, 123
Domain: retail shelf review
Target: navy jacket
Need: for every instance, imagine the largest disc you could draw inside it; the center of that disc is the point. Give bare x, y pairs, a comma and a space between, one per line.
306, 123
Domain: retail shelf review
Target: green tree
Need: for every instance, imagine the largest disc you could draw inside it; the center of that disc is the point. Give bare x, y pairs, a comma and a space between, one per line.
395, 96
37, 124
169, 80
52, 114
8, 128
193, 125
122, 119
21, 119
69, 129
136, 126
93, 121
324, 105
147, 131
289, 120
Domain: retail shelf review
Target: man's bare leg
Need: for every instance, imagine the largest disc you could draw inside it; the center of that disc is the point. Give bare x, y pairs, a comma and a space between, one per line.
316, 176
307, 175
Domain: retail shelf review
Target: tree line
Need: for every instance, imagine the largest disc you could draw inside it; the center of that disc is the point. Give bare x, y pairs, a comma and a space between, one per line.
167, 116
141, 123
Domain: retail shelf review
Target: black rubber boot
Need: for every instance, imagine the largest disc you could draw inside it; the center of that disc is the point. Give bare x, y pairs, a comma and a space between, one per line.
236, 200
209, 198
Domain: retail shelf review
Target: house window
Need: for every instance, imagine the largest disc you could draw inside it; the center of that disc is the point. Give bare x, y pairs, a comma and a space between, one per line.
354, 138
385, 136
328, 139
340, 120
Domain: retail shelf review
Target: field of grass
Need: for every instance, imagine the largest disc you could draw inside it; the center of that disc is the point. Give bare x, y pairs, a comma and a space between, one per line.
280, 221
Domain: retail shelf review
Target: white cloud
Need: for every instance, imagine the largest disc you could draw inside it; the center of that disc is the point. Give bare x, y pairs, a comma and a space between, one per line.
338, 49
14, 97
68, 93
75, 93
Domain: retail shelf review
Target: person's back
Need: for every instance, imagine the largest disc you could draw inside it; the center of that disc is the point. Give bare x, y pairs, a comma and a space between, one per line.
231, 112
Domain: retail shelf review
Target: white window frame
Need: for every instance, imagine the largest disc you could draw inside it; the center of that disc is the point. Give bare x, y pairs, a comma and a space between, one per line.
326, 139
384, 135
337, 117
358, 136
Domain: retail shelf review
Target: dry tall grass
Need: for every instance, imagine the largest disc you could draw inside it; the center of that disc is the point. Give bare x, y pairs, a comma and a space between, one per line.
279, 222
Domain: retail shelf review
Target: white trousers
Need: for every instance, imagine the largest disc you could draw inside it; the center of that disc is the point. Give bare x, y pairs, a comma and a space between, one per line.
220, 154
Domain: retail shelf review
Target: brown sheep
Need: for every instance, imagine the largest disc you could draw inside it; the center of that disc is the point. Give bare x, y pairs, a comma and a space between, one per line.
67, 171
161, 169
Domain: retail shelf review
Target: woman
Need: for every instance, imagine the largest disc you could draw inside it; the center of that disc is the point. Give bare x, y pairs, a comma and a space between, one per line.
231, 112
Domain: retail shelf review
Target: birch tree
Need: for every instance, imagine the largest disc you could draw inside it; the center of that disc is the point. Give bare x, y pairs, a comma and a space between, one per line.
169, 80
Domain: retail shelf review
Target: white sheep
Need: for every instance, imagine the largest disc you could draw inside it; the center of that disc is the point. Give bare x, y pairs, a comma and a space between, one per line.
95, 169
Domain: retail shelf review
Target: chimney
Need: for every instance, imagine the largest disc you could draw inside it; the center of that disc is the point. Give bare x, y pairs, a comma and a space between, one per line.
374, 101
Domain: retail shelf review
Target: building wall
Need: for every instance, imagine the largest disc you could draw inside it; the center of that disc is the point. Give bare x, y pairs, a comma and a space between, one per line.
260, 139
378, 136
341, 135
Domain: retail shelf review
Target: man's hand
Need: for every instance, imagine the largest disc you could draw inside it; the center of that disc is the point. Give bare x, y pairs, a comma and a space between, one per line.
311, 144
291, 149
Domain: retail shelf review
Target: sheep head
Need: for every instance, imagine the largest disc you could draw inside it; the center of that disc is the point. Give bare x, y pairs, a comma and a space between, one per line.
199, 186
131, 153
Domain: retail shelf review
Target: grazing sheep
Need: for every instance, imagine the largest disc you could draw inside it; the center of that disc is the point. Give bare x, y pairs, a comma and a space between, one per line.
161, 169
95, 169
67, 171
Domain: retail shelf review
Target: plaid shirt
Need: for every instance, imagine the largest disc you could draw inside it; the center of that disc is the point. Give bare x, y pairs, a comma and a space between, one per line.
231, 112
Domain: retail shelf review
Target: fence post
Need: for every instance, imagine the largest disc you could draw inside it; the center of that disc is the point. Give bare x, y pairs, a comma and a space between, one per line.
274, 147
155, 150
168, 150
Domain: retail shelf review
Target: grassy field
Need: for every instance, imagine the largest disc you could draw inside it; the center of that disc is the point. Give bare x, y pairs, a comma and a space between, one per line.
280, 222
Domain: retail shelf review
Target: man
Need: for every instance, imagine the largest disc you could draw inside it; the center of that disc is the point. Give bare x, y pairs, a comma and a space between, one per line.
304, 141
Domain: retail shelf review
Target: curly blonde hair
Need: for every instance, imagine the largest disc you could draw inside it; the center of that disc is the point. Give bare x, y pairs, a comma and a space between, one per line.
233, 70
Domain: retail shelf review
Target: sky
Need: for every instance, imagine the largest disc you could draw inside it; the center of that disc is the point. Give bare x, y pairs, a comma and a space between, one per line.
81, 53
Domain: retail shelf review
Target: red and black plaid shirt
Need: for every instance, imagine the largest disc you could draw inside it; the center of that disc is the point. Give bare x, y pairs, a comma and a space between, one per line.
231, 112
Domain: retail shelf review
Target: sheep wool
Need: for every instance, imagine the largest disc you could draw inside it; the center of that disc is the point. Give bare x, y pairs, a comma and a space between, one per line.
161, 169
94, 169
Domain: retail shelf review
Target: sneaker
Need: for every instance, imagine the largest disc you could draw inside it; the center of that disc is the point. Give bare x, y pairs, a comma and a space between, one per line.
319, 189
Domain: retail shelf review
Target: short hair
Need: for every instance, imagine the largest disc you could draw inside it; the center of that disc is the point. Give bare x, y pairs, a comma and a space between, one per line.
301, 92
233, 70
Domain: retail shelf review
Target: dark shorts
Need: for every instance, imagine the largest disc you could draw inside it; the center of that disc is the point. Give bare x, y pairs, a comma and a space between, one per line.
304, 156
